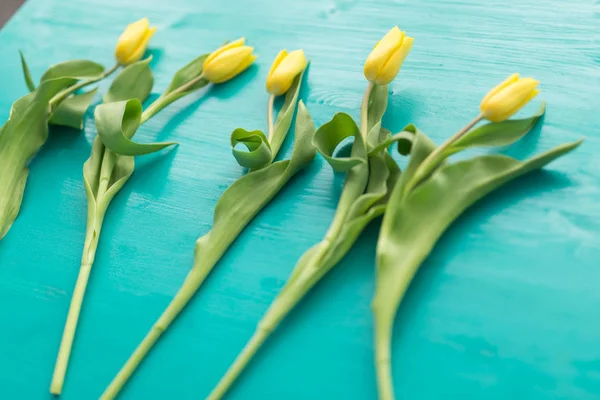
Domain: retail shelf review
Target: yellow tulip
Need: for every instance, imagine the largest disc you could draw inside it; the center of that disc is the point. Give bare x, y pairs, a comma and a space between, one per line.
508, 97
132, 44
228, 61
283, 71
386, 58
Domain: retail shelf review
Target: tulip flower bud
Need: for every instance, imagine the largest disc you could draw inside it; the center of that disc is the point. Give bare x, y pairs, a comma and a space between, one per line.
132, 44
508, 97
386, 58
283, 71
228, 61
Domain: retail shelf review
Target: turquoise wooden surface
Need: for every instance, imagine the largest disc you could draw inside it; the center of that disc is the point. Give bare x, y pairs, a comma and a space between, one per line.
505, 307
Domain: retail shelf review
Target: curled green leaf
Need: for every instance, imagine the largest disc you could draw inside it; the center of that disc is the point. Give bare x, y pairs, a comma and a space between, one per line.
118, 122
331, 134
260, 152
257, 144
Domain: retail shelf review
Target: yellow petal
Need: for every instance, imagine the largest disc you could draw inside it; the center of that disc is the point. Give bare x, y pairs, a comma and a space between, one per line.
139, 52
282, 54
382, 52
283, 77
392, 66
508, 81
510, 99
228, 64
236, 43
131, 38
241, 67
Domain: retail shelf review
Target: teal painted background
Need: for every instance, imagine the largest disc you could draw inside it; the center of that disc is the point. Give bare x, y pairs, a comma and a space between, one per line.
506, 306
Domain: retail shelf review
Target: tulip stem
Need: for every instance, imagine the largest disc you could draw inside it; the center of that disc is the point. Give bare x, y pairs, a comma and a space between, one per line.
66, 344
56, 100
436, 156
270, 117
364, 111
164, 101
457, 136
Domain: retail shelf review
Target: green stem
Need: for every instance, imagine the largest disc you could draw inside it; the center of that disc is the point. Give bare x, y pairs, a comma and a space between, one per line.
436, 156
388, 296
383, 361
164, 101
270, 107
289, 297
364, 111
188, 289
66, 344
56, 100
240, 363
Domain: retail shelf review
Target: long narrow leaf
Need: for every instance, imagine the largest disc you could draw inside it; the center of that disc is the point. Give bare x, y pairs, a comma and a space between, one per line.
415, 220
26, 73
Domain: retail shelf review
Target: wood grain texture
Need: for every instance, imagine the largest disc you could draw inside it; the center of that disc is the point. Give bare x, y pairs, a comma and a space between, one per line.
506, 306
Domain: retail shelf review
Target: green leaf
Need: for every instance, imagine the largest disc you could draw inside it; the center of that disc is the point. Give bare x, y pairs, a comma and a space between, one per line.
27, 130
238, 205
134, 81
412, 226
71, 111
497, 134
331, 134
123, 169
285, 116
11, 199
76, 69
118, 122
186, 74
257, 144
22, 135
414, 222
26, 73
